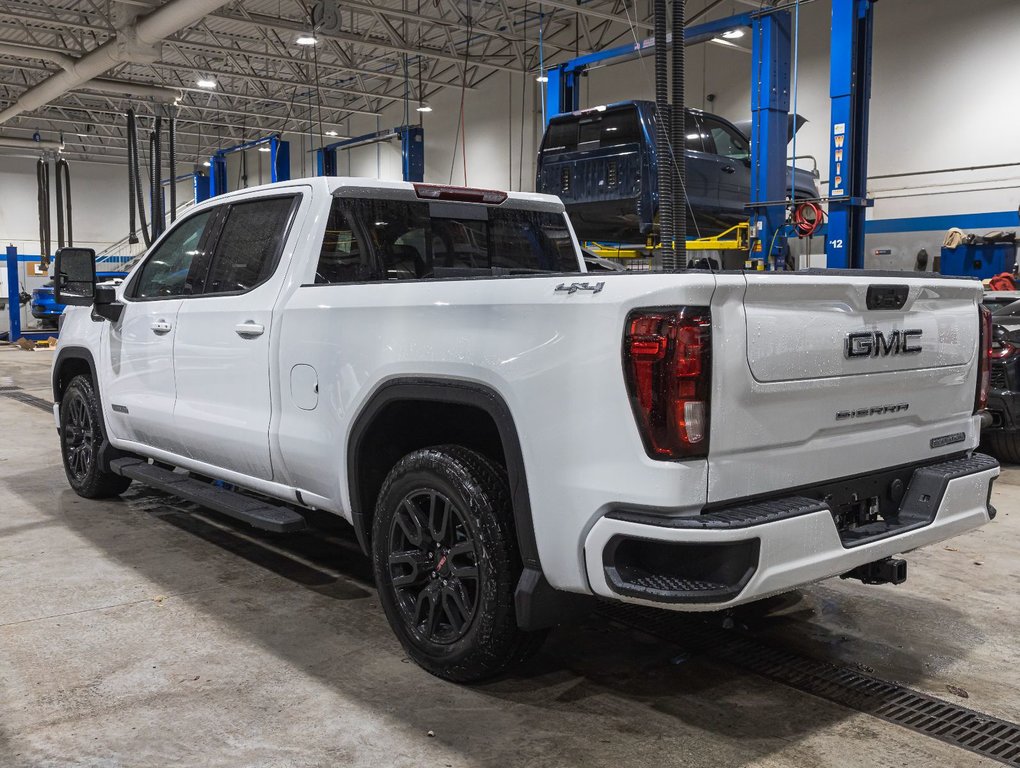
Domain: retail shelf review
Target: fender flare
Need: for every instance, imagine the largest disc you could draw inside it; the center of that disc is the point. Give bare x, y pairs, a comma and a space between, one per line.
459, 392
71, 353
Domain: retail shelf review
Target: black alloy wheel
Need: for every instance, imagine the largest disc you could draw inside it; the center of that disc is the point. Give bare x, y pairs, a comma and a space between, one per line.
433, 566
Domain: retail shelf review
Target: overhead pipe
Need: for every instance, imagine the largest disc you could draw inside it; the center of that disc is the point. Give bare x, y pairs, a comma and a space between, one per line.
136, 175
134, 43
172, 153
20, 143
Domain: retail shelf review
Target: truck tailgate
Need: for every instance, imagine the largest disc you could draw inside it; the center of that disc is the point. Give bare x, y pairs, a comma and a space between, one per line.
809, 384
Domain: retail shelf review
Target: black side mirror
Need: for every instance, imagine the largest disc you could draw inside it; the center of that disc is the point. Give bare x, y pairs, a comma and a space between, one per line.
106, 303
74, 276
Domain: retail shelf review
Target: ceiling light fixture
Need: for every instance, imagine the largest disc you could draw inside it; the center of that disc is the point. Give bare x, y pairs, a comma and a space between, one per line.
423, 107
542, 79
265, 149
733, 34
205, 83
332, 133
306, 40
206, 163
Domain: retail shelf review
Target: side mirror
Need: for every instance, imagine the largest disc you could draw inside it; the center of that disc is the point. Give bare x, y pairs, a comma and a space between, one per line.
74, 276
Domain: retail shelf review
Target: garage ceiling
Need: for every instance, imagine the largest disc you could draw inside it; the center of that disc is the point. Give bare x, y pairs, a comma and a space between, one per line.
380, 52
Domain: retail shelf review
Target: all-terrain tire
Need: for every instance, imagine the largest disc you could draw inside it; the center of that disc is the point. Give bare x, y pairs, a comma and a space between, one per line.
1004, 445
81, 437
446, 563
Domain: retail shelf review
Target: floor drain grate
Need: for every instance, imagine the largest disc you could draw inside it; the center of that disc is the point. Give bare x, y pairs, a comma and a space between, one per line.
14, 393
976, 732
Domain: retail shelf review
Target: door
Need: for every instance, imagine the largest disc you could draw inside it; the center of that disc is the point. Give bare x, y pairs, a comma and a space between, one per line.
733, 159
136, 360
221, 351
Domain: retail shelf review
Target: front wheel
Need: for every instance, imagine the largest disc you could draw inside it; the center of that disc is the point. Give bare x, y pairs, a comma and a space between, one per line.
81, 437
446, 563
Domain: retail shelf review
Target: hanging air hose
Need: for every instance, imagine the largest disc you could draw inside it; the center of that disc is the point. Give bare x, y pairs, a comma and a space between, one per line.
172, 151
63, 180
134, 169
155, 179
807, 218
132, 233
662, 136
678, 125
42, 179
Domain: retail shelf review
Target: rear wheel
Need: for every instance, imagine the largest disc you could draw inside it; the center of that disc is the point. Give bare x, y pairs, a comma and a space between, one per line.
1005, 445
446, 563
81, 437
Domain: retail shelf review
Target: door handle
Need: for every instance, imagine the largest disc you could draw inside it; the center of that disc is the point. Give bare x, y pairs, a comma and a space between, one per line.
249, 329
728, 169
160, 327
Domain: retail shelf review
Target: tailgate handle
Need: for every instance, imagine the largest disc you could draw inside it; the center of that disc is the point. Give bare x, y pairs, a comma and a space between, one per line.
887, 296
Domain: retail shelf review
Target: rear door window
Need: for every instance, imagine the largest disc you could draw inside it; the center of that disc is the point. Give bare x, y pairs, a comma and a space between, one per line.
371, 240
249, 244
695, 133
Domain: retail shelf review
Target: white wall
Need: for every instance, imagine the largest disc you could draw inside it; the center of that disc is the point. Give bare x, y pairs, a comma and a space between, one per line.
945, 95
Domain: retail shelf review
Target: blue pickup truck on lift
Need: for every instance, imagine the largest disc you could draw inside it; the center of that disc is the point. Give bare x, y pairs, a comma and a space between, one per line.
602, 163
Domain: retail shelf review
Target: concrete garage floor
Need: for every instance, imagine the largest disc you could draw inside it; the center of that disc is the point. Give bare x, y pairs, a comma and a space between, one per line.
147, 632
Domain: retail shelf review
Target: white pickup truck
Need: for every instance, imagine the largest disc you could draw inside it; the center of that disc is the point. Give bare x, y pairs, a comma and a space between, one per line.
508, 435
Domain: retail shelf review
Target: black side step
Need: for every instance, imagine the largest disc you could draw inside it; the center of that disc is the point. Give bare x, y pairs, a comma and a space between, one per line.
256, 513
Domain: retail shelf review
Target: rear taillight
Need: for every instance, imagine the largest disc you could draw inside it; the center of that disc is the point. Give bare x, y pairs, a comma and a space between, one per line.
984, 359
667, 357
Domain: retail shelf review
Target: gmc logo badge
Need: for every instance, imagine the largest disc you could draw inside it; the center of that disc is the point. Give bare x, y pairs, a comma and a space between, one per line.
875, 343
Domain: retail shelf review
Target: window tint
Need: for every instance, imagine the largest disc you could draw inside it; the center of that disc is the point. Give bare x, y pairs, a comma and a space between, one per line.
249, 244
168, 270
728, 142
396, 240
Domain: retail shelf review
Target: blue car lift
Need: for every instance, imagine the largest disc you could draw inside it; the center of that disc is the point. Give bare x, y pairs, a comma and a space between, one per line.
412, 151
850, 91
200, 185
279, 163
14, 303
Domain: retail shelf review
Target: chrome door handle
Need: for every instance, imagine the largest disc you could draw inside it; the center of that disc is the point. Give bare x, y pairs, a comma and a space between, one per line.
160, 327
249, 329
728, 169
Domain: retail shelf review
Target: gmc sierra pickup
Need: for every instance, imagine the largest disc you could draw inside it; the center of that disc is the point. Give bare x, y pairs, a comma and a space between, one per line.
509, 435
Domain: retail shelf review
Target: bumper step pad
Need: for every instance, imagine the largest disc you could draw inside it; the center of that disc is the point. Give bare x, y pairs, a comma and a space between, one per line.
257, 513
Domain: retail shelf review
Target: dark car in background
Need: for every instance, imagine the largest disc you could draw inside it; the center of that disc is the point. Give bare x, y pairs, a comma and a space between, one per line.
1002, 436
603, 164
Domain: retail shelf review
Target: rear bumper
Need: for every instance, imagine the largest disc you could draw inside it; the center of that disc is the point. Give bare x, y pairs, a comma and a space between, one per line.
746, 553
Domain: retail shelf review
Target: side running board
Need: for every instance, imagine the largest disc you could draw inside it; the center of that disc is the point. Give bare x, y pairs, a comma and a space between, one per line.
257, 513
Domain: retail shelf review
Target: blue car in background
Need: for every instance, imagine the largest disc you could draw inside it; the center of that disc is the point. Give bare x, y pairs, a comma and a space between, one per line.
44, 303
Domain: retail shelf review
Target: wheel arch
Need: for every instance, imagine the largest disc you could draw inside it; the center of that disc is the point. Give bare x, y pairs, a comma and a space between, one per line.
71, 362
432, 396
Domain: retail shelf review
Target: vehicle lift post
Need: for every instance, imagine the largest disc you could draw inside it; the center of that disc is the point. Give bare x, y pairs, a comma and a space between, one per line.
770, 134
412, 151
14, 302
850, 91
279, 163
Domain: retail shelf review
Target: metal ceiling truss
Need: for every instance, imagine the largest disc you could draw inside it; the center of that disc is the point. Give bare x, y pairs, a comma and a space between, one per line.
384, 51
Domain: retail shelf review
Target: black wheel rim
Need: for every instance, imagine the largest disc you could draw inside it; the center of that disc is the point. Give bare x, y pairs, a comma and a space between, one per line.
79, 435
433, 567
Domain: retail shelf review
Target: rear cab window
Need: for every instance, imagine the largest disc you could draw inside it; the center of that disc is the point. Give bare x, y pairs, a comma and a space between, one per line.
379, 240
593, 130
